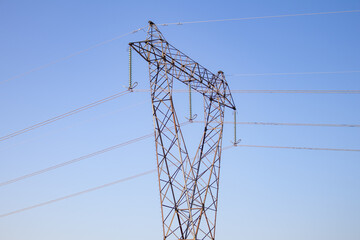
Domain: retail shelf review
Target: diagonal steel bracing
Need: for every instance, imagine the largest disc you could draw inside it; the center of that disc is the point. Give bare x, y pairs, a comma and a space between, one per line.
188, 186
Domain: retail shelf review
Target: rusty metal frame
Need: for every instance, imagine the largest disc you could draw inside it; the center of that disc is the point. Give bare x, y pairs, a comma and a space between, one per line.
188, 186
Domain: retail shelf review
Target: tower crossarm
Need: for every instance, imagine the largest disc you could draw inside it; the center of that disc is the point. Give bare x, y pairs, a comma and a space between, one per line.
185, 70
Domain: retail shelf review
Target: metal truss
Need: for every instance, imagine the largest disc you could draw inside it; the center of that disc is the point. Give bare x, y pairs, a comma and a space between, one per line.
188, 186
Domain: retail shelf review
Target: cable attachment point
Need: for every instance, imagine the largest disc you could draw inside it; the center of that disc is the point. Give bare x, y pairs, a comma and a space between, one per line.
192, 118
236, 143
131, 87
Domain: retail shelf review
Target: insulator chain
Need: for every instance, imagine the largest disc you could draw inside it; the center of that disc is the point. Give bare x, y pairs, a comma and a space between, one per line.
191, 116
131, 85
236, 141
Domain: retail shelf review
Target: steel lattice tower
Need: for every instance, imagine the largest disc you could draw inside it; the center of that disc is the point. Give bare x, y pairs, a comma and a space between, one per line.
188, 186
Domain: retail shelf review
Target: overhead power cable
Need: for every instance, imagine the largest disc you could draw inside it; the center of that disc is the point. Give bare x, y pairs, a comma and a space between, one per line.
301, 148
69, 56
272, 91
148, 136
79, 193
263, 17
298, 124
299, 91
163, 24
293, 73
85, 191
153, 170
291, 124
47, 133
75, 160
64, 115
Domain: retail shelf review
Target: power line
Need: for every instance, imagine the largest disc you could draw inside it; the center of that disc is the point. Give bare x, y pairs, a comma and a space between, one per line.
75, 160
301, 148
293, 73
272, 91
85, 191
149, 135
263, 17
300, 91
67, 114
164, 24
291, 124
69, 56
78, 193
63, 164
298, 124
153, 170
76, 124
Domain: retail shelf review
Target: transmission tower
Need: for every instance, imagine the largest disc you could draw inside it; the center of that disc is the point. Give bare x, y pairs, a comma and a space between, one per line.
188, 186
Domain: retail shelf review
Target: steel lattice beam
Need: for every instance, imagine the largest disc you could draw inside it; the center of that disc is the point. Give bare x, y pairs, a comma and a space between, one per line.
156, 49
188, 186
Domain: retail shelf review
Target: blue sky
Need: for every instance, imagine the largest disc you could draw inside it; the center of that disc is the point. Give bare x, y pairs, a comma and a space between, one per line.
264, 194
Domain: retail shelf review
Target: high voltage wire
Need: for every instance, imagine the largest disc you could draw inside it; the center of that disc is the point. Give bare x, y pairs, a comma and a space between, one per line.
163, 24
291, 124
67, 114
69, 56
149, 135
263, 17
271, 91
153, 170
297, 124
293, 73
299, 91
85, 191
78, 123
79, 193
112, 97
301, 148
75, 160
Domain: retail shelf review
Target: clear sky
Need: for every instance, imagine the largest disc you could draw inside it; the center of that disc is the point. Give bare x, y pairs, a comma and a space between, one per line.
265, 194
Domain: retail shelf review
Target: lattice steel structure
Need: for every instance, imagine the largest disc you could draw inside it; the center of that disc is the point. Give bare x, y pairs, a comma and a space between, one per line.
188, 186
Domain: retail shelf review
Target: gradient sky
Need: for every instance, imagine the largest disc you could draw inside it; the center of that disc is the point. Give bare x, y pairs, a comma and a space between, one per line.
265, 194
